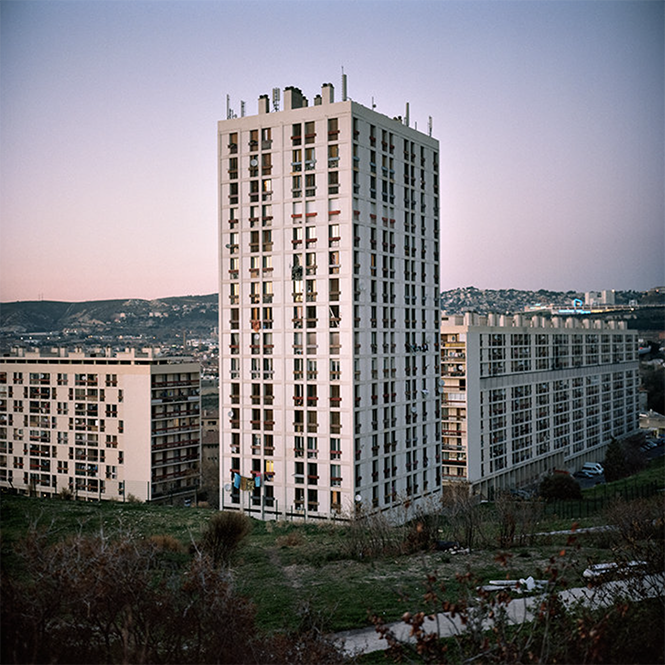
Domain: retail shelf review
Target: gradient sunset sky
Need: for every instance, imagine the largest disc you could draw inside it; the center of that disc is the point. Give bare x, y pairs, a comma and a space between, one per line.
550, 117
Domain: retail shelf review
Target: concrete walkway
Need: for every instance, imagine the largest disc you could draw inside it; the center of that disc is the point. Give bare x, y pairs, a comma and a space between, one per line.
519, 610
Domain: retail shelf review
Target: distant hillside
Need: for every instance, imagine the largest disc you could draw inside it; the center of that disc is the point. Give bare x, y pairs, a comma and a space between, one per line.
109, 317
166, 318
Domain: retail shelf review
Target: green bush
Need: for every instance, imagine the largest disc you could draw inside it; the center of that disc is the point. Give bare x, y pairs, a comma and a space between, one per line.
560, 486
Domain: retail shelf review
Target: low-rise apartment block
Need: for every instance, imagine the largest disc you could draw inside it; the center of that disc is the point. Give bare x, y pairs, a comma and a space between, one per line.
524, 397
102, 425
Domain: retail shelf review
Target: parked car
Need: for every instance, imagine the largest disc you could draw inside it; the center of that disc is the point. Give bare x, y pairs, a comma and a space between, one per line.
583, 474
594, 468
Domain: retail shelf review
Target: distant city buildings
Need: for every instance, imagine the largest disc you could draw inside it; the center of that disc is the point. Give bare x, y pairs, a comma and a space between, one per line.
100, 425
329, 309
524, 397
595, 298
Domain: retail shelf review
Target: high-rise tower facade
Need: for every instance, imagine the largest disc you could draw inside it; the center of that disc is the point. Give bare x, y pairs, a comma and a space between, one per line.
329, 309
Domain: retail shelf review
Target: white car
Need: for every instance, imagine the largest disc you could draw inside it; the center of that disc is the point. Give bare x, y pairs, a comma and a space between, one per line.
593, 468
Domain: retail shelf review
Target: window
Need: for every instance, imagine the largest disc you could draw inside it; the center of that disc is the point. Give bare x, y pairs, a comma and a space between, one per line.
310, 134
310, 184
312, 421
267, 241
333, 289
310, 290
335, 318
333, 156
233, 142
233, 168
333, 262
266, 163
310, 160
333, 182
311, 316
333, 235
335, 422
255, 292
267, 292
296, 134
296, 160
333, 129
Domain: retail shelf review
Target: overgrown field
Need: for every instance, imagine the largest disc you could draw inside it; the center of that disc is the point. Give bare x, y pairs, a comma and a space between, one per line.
340, 572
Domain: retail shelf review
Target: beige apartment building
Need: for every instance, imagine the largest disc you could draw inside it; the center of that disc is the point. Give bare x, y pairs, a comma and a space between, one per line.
102, 425
524, 397
329, 318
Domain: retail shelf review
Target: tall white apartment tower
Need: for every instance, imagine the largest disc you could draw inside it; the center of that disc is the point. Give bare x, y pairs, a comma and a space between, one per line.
329, 309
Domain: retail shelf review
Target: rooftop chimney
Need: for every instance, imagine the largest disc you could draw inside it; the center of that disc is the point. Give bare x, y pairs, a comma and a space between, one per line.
264, 104
328, 93
293, 99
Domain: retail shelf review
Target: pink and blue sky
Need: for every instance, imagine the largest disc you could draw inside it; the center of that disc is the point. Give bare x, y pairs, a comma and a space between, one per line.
549, 116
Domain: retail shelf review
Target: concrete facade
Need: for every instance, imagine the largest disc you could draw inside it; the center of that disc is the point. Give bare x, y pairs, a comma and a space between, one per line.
329, 281
524, 397
102, 425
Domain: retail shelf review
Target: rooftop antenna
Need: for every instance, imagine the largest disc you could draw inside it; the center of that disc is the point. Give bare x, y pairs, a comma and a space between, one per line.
429, 126
373, 104
242, 108
275, 99
406, 118
229, 111
343, 85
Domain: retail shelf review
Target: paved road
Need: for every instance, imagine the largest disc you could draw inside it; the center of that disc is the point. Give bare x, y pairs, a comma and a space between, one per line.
366, 640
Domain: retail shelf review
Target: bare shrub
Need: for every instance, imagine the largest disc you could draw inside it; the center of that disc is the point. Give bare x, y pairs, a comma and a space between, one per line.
223, 534
370, 534
96, 599
516, 520
423, 531
167, 543
639, 530
293, 539
461, 509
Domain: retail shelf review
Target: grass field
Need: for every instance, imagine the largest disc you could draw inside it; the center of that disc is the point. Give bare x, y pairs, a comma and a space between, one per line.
285, 566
